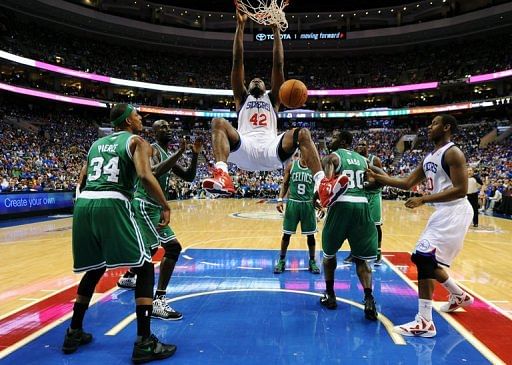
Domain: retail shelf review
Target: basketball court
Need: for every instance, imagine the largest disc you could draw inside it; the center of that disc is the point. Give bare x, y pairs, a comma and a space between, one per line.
235, 308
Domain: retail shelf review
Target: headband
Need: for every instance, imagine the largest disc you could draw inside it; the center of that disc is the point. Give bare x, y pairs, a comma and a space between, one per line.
116, 122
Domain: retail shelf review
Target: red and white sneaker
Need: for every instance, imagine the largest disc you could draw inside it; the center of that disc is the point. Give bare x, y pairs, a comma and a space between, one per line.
330, 189
457, 301
221, 183
420, 327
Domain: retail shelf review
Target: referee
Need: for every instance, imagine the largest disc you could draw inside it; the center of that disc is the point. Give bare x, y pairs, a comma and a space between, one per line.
474, 185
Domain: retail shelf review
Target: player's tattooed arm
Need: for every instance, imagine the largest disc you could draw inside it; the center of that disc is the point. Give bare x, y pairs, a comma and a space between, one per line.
330, 164
284, 188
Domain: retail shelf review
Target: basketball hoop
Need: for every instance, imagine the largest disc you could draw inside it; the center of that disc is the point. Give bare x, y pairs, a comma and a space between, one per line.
265, 12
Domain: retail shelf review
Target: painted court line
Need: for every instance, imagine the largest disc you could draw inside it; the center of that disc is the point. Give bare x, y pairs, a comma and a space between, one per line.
484, 350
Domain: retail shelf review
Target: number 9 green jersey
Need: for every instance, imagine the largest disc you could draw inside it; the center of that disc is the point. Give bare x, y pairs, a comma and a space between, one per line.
353, 165
110, 166
301, 183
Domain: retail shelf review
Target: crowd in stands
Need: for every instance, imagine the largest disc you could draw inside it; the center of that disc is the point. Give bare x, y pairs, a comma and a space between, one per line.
424, 63
44, 152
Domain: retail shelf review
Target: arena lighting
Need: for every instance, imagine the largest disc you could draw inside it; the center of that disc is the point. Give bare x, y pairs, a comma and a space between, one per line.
220, 92
375, 112
491, 76
51, 96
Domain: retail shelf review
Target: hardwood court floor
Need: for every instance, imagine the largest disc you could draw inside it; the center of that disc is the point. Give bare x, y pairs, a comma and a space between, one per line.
35, 259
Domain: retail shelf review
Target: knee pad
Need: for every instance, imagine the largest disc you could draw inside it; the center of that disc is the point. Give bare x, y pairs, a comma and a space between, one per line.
145, 280
89, 281
426, 266
172, 249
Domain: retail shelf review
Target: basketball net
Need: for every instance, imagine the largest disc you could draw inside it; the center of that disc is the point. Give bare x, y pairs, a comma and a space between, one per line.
266, 12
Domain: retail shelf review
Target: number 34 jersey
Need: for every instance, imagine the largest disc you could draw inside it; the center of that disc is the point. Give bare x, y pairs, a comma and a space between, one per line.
257, 119
110, 166
353, 165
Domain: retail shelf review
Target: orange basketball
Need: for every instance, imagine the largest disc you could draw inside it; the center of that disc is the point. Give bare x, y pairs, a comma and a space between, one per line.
293, 93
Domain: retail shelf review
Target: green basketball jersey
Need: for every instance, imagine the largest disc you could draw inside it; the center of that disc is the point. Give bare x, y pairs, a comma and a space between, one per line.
163, 180
110, 166
354, 166
371, 158
301, 183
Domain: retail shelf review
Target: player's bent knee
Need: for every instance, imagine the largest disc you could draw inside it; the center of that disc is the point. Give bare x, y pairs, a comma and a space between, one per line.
304, 135
145, 280
89, 281
218, 123
172, 249
426, 266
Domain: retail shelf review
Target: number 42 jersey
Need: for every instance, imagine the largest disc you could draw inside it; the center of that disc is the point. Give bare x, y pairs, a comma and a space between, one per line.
353, 165
257, 119
110, 165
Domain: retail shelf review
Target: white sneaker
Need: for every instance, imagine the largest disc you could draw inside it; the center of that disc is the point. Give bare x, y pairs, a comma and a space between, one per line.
419, 327
457, 301
127, 282
162, 310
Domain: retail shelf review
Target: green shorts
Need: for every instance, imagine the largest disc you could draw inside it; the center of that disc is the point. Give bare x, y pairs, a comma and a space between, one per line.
350, 221
375, 205
303, 212
105, 233
147, 216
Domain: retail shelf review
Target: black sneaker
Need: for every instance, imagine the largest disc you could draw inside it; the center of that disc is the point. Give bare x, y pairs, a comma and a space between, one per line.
279, 268
313, 267
370, 310
151, 349
329, 301
348, 259
74, 339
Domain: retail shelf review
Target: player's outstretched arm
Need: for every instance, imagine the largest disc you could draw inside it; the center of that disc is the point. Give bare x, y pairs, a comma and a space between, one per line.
406, 183
190, 173
277, 78
456, 162
161, 167
284, 188
141, 156
238, 71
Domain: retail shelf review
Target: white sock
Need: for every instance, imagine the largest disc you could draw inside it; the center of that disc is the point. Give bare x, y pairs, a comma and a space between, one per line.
452, 287
425, 308
318, 178
222, 165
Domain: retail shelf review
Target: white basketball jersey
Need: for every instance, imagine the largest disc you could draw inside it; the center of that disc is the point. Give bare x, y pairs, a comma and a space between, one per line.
437, 171
257, 119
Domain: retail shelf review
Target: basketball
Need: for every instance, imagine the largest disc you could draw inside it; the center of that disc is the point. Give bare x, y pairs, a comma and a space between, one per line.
293, 93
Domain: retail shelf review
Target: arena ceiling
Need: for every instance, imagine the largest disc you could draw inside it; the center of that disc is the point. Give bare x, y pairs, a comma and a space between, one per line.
296, 6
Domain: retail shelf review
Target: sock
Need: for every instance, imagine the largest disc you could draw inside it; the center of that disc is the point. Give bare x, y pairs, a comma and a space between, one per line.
452, 287
329, 287
318, 178
159, 293
78, 315
367, 292
144, 320
425, 308
222, 165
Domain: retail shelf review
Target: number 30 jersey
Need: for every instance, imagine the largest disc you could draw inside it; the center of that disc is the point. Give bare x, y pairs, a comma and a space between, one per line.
353, 165
257, 119
110, 166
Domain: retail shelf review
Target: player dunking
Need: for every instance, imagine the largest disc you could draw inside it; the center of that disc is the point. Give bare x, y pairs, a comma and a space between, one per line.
298, 183
105, 233
256, 146
444, 170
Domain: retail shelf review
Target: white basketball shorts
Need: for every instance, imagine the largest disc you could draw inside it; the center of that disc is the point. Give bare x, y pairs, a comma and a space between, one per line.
445, 231
256, 155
